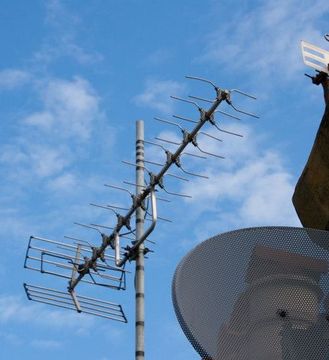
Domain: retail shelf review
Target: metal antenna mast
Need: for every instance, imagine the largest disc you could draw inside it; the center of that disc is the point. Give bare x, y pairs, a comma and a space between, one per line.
139, 267
83, 262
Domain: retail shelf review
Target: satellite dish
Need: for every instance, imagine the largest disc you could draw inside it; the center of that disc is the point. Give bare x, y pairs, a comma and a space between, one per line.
255, 294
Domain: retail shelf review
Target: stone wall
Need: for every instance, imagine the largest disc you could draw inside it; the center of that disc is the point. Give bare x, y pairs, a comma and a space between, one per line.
311, 196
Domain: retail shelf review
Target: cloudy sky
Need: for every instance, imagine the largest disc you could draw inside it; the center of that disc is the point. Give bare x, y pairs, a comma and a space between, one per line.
74, 78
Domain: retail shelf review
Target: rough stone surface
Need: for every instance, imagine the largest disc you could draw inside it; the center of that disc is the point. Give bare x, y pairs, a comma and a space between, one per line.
311, 196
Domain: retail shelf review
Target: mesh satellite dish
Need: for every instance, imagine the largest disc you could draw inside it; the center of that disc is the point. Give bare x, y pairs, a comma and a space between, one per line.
255, 294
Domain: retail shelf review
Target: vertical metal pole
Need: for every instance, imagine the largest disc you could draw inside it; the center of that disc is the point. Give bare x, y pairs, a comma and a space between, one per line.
139, 273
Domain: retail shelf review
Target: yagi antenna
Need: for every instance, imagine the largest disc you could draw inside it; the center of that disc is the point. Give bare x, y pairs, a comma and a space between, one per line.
187, 101
150, 173
203, 80
183, 131
227, 96
158, 198
178, 164
201, 98
210, 136
176, 194
227, 114
226, 131
219, 111
103, 226
104, 207
194, 142
122, 236
166, 150
167, 141
119, 188
109, 207
185, 119
79, 261
243, 111
87, 226
133, 184
76, 239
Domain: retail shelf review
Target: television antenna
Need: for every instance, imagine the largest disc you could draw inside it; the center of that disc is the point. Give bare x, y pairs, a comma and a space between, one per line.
104, 265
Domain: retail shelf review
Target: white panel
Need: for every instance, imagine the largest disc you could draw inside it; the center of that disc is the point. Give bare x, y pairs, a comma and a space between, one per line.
315, 57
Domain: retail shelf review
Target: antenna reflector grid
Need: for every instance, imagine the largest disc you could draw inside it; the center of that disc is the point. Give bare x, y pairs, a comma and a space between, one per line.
87, 305
60, 259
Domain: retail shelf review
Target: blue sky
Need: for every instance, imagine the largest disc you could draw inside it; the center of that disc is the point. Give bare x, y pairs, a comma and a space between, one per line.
74, 78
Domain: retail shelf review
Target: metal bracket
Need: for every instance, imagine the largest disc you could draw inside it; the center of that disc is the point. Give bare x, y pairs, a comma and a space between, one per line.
131, 251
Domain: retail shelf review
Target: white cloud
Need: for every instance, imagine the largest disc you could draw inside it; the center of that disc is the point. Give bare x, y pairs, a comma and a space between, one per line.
250, 188
156, 95
49, 140
66, 46
12, 78
69, 108
159, 57
11, 338
13, 224
46, 344
41, 344
32, 159
63, 40
10, 306
57, 14
266, 39
42, 119
65, 182
45, 155
14, 310
112, 333
12, 154
47, 161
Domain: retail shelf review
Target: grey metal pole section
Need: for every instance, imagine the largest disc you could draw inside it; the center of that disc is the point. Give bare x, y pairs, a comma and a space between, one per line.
139, 273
